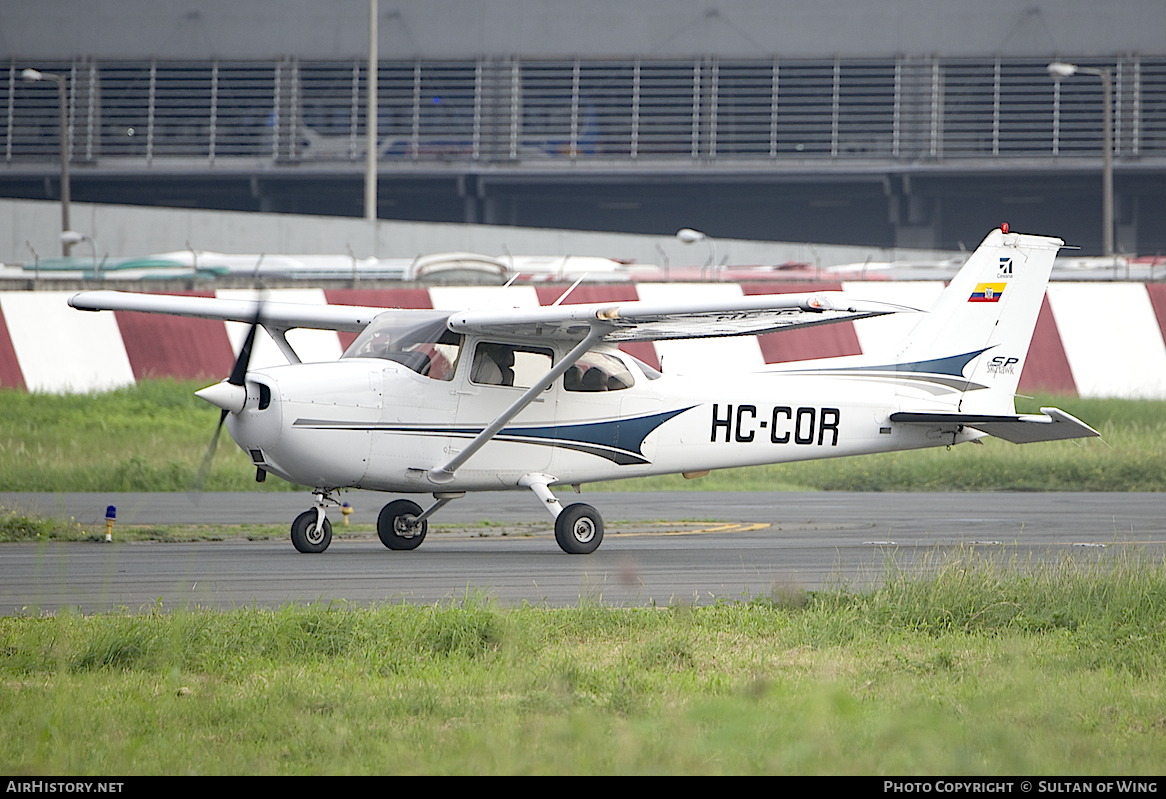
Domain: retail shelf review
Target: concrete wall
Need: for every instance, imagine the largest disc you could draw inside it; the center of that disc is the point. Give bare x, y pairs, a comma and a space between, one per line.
47, 346
134, 231
246, 29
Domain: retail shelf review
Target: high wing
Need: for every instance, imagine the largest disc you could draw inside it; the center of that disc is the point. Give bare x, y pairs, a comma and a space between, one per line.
1051, 424
274, 315
587, 325
656, 321
621, 321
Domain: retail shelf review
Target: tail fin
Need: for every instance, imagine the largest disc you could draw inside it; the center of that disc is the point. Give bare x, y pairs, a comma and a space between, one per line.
982, 324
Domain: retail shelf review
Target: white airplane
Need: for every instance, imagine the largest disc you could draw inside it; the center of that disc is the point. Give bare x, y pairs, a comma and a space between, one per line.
450, 402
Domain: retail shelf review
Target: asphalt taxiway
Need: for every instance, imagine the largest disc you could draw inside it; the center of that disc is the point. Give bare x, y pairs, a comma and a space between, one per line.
659, 548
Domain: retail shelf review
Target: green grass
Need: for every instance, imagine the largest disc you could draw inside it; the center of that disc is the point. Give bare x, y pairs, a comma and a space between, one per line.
152, 437
983, 667
148, 437
19, 525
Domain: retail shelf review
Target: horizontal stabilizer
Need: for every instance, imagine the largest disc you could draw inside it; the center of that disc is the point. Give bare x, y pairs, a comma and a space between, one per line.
1051, 424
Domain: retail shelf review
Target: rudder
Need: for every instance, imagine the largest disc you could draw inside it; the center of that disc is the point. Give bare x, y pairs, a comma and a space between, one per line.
988, 312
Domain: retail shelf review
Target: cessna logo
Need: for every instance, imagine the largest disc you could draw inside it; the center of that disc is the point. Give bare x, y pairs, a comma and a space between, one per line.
1005, 268
1002, 365
784, 424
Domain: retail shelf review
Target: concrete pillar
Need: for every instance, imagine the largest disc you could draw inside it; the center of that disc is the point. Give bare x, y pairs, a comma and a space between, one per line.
1126, 223
914, 216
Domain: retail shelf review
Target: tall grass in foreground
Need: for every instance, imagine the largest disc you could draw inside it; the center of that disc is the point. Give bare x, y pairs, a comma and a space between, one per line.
152, 437
981, 668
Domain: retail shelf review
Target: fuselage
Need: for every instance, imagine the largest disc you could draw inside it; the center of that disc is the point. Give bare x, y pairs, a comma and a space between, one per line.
379, 424
444, 402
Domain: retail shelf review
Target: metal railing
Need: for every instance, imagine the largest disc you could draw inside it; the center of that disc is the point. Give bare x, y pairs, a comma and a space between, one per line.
585, 111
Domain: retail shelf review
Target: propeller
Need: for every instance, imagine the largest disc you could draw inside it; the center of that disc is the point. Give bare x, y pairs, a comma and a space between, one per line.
230, 395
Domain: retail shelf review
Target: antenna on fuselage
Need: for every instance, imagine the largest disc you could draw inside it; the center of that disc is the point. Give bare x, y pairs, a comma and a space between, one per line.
498, 297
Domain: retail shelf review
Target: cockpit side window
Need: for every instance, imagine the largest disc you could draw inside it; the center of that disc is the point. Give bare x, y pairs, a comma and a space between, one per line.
509, 364
419, 341
598, 371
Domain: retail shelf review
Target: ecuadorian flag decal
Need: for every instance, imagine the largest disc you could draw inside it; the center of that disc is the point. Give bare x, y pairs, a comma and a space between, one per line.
987, 292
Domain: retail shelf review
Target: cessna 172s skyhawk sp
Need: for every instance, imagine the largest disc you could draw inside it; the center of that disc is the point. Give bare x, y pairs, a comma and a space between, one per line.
448, 402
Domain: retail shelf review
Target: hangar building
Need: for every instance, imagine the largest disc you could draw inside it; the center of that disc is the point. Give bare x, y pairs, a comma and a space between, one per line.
898, 123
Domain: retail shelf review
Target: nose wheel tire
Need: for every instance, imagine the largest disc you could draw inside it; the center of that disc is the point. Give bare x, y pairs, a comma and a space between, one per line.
307, 537
396, 526
579, 529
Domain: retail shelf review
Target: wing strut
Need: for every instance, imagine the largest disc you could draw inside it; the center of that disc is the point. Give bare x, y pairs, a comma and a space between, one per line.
279, 336
444, 474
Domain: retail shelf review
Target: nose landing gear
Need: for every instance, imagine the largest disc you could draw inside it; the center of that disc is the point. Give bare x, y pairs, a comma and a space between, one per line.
308, 535
311, 532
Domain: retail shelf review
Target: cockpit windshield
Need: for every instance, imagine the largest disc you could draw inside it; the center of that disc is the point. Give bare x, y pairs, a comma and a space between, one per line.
419, 341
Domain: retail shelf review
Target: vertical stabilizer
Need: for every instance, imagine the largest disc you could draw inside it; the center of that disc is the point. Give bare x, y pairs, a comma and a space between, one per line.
988, 312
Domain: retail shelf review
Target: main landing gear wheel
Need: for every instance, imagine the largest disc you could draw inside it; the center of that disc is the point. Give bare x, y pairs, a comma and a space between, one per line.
579, 529
396, 526
307, 537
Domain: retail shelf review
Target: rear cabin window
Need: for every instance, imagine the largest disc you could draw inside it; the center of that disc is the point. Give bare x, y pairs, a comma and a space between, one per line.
598, 371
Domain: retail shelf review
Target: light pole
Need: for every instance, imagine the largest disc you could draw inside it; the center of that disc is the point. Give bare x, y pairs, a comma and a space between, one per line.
71, 237
372, 121
690, 236
33, 74
1059, 70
